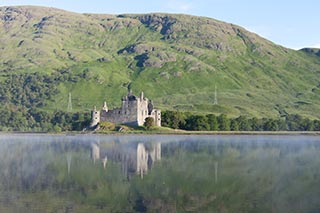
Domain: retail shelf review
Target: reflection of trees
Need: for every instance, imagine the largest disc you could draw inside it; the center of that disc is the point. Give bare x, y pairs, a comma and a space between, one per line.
196, 174
40, 174
30, 166
254, 175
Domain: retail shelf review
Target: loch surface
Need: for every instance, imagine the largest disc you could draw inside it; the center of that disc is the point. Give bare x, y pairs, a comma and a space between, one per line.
159, 173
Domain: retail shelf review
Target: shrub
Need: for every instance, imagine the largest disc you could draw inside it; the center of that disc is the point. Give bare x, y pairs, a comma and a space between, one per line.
105, 125
149, 122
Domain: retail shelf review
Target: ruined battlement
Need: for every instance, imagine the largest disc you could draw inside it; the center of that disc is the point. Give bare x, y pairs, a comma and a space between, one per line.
133, 111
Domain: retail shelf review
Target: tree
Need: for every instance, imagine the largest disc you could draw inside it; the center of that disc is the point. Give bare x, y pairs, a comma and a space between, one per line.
308, 125
294, 122
197, 123
234, 126
213, 122
282, 125
256, 124
173, 119
149, 122
244, 124
271, 125
316, 125
224, 123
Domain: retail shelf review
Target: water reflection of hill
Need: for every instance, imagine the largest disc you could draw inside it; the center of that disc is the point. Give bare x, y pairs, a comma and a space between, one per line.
195, 174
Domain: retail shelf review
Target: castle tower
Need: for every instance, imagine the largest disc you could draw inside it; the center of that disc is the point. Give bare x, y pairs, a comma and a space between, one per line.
105, 107
95, 115
141, 96
157, 117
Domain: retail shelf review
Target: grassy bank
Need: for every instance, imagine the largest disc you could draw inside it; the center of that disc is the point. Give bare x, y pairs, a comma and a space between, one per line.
169, 131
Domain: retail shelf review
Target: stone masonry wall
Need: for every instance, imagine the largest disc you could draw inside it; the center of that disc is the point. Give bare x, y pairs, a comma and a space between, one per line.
127, 114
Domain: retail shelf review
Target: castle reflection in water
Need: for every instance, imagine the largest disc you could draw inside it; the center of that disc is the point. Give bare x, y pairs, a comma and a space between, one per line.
136, 159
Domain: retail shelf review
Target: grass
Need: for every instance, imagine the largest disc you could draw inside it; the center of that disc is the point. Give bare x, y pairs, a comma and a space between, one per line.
252, 75
168, 131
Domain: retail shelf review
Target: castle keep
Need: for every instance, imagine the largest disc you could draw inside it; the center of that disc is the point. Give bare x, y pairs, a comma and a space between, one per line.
133, 111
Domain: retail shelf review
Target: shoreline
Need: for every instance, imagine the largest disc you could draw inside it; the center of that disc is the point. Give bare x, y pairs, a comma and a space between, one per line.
173, 132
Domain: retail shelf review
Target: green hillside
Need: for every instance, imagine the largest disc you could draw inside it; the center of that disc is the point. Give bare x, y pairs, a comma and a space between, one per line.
177, 60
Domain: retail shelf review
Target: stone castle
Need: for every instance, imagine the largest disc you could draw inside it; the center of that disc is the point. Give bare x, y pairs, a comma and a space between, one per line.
133, 112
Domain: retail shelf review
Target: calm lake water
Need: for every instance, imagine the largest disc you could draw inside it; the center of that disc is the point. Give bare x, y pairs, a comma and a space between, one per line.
94, 173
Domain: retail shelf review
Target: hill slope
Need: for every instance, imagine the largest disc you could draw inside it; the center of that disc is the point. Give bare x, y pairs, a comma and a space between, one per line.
177, 60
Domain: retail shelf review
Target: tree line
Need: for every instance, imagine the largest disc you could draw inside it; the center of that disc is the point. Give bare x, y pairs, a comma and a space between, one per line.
42, 121
212, 122
35, 120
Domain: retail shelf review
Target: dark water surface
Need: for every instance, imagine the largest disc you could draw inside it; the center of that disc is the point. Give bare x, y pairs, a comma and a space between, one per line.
94, 173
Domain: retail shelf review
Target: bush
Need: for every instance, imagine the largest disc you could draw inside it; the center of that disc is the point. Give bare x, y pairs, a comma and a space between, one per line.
149, 122
105, 125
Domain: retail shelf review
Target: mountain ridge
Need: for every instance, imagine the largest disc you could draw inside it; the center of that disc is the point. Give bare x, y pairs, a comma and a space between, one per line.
176, 59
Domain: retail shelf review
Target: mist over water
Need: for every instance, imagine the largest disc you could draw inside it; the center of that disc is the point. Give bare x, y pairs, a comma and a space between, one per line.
97, 173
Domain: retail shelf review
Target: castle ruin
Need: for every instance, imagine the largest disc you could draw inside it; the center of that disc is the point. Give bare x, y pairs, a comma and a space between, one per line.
133, 112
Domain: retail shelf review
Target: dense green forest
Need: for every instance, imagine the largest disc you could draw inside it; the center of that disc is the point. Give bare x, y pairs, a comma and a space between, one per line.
211, 122
23, 95
40, 121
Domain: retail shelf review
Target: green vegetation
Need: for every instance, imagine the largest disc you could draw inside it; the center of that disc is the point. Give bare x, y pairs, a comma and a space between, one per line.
177, 60
211, 122
149, 122
23, 96
40, 121
104, 125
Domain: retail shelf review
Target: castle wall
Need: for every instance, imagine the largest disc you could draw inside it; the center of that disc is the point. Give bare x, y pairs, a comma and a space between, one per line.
127, 114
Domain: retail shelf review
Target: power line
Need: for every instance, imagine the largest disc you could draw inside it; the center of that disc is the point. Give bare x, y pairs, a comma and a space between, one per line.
215, 102
69, 103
